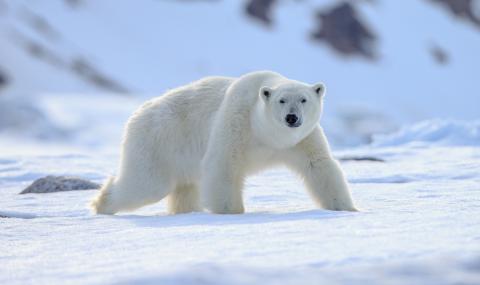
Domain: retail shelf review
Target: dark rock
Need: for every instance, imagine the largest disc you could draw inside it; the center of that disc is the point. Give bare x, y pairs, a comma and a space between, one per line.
344, 31
461, 8
74, 3
260, 10
85, 70
51, 184
439, 55
41, 52
40, 25
3, 79
361, 158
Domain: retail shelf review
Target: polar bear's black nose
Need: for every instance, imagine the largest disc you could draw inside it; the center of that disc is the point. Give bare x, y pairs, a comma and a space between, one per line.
291, 119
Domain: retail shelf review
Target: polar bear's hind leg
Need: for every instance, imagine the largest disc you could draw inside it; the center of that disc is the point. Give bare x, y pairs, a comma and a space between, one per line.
118, 196
184, 199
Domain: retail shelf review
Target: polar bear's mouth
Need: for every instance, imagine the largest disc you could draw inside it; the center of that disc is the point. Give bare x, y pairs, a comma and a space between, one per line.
296, 125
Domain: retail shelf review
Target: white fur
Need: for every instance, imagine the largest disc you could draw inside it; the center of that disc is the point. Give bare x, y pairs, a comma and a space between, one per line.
196, 144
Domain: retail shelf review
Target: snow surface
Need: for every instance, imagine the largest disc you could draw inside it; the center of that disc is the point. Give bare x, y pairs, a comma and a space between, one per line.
419, 224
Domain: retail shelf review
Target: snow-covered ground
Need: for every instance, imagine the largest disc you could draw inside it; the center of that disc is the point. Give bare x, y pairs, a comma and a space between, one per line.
419, 223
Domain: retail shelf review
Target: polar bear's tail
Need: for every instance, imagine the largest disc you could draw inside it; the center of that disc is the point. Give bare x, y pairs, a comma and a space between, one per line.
101, 204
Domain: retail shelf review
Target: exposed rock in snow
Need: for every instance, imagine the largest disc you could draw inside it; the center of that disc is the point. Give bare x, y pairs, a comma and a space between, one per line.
3, 79
342, 28
361, 158
74, 3
51, 184
439, 55
40, 25
463, 9
260, 10
40, 51
88, 72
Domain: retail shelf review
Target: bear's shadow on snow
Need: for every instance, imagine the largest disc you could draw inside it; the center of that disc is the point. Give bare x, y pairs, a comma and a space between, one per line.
220, 220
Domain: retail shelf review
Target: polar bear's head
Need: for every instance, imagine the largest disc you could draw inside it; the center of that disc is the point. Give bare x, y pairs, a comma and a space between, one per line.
291, 110
294, 105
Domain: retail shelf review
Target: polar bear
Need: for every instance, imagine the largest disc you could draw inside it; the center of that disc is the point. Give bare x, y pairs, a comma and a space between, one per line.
196, 145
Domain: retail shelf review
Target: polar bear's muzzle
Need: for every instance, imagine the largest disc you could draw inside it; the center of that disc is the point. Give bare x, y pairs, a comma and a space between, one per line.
293, 121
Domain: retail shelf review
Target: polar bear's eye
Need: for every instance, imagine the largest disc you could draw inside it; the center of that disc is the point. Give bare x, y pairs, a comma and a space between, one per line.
282, 101
304, 100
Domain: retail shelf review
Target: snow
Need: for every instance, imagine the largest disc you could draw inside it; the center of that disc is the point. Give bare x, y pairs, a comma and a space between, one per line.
438, 132
419, 224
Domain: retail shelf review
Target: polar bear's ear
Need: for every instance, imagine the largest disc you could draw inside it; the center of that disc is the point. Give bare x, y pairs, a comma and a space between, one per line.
319, 89
266, 93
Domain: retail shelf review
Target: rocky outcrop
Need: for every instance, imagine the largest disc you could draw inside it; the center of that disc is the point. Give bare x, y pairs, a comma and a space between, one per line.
260, 10
342, 29
3, 79
88, 72
52, 184
74, 3
464, 9
439, 55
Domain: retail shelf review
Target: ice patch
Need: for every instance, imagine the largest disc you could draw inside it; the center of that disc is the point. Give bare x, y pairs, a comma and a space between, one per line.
438, 132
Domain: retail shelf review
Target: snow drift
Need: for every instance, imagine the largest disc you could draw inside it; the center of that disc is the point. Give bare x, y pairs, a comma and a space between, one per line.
434, 132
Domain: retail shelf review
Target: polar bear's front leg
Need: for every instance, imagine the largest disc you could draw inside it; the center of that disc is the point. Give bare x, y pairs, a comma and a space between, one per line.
221, 188
327, 185
222, 175
322, 174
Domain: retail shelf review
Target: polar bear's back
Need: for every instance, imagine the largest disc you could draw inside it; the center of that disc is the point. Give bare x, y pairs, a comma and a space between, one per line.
178, 123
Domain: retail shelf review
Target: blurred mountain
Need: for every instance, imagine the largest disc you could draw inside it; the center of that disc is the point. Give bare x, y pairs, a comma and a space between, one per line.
35, 52
465, 9
385, 63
